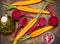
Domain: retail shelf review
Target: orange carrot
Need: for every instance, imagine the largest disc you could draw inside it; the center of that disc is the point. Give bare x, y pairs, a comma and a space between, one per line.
26, 2
36, 33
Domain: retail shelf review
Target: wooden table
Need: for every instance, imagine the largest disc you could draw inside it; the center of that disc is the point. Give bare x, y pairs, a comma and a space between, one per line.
5, 39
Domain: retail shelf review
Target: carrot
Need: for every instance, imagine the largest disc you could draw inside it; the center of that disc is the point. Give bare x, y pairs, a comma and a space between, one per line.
24, 8
32, 10
40, 31
36, 33
40, 22
29, 25
26, 2
24, 30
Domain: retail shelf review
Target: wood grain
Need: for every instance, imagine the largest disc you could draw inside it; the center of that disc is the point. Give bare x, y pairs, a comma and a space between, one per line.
5, 39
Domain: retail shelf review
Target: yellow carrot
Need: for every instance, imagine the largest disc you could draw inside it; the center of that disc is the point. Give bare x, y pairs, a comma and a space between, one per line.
24, 30
26, 2
40, 31
24, 8
36, 33
32, 10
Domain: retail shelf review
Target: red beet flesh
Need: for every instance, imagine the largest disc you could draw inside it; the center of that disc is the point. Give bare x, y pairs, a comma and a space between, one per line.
23, 21
26, 15
16, 14
42, 21
53, 20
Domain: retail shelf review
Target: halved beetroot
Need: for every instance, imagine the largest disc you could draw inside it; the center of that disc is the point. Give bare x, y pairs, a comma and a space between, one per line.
42, 21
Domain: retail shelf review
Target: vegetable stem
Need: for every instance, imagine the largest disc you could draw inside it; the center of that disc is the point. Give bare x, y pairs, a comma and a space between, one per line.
43, 7
51, 10
8, 6
24, 38
17, 31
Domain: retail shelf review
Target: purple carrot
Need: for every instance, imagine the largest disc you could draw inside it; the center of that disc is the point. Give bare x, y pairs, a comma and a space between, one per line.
53, 20
41, 22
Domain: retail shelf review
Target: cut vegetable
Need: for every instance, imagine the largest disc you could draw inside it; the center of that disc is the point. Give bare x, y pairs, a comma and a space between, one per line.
41, 22
16, 14
22, 13
53, 20
24, 30
22, 22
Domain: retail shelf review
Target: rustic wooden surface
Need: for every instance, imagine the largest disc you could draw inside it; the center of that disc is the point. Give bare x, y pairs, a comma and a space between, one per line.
5, 39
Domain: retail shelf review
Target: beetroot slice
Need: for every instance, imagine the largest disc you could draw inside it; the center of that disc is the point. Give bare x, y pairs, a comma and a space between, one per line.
42, 21
23, 21
53, 20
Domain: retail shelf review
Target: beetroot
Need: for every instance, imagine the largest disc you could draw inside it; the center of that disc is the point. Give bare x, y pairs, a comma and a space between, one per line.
53, 20
42, 21
32, 29
16, 14
22, 22
26, 14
